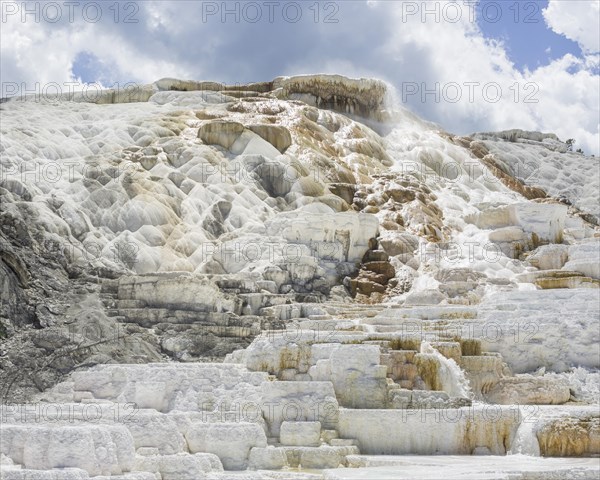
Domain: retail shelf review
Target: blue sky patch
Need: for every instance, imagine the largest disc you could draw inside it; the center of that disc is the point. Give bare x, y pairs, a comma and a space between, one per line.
90, 69
522, 28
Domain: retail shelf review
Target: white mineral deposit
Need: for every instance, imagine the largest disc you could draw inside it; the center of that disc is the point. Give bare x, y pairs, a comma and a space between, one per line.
293, 279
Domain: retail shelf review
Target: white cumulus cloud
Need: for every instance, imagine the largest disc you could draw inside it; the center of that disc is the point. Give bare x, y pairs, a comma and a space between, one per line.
578, 20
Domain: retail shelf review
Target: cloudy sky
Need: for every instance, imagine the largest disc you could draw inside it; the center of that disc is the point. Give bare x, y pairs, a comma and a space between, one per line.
467, 65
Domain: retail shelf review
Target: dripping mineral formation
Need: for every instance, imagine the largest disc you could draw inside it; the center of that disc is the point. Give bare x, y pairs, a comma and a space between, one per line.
297, 279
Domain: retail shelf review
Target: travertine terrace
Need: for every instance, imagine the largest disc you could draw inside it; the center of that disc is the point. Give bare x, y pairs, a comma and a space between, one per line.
293, 279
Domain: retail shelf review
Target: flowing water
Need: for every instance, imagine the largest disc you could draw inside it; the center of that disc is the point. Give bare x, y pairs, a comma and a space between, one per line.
451, 375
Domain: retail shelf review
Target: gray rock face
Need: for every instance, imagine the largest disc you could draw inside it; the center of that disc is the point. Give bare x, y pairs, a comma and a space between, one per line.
62, 303
13, 279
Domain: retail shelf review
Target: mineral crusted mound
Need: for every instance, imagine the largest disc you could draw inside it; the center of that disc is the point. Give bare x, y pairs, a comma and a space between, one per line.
290, 278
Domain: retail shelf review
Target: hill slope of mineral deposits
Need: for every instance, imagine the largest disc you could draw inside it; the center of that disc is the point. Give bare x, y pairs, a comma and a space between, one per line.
294, 279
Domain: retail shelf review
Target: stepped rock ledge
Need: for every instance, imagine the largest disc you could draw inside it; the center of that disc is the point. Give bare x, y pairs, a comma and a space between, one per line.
291, 279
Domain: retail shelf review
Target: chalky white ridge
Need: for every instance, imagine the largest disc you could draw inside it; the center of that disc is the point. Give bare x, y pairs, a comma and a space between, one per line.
106, 177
